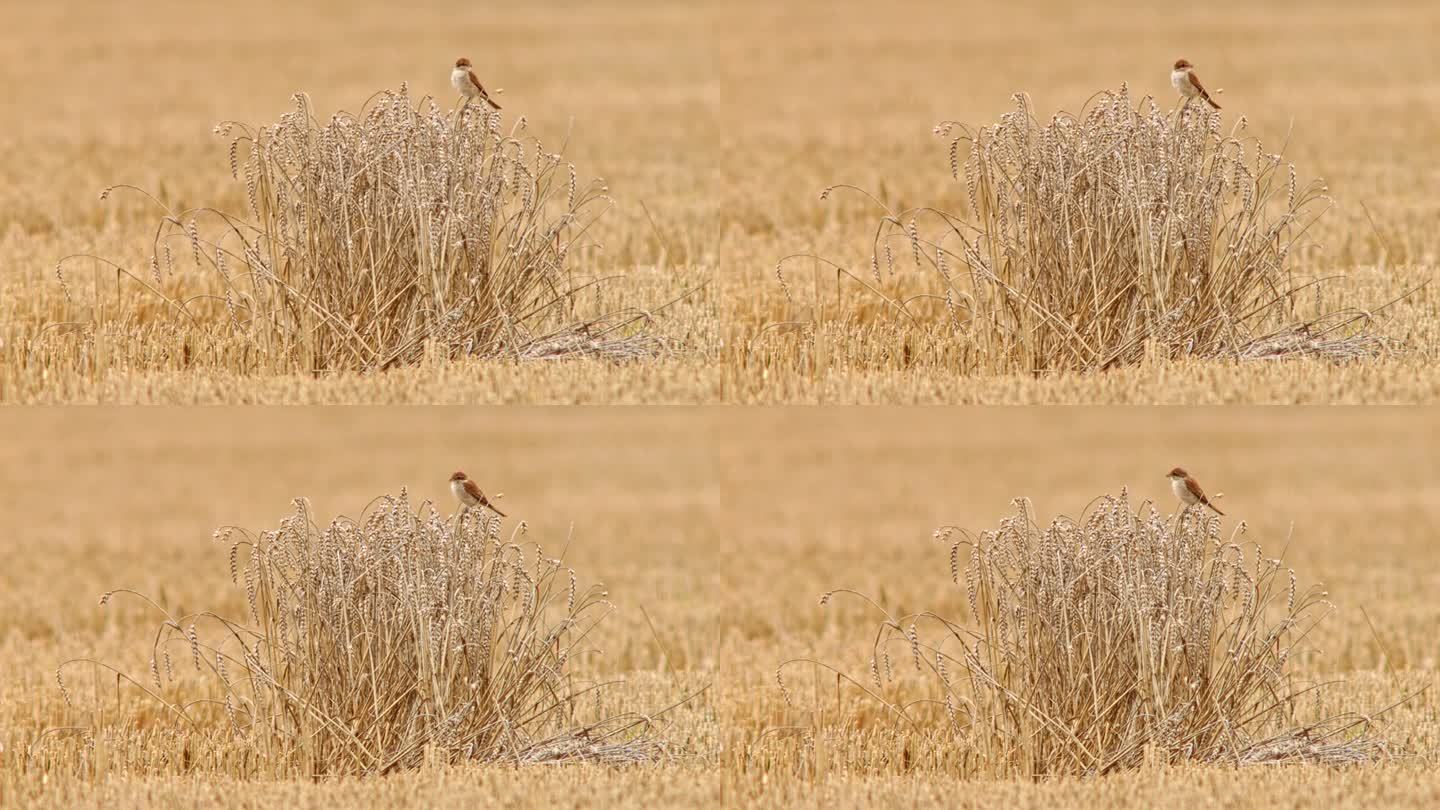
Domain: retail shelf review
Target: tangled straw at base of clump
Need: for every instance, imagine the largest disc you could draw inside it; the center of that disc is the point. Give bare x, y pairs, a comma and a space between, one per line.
1103, 238
398, 640
1305, 341
1317, 745
582, 747
585, 341
1104, 643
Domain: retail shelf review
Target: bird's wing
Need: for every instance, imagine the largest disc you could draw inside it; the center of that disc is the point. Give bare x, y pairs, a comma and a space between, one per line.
478, 86
474, 491
1189, 484
1200, 88
1200, 495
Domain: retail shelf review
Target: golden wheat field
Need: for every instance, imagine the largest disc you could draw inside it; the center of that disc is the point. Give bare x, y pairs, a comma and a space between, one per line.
757, 204
715, 533
714, 129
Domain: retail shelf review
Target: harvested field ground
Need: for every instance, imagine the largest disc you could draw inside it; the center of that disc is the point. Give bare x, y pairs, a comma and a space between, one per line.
715, 532
715, 130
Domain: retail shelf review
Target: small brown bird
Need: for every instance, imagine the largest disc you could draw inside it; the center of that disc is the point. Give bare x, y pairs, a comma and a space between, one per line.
1188, 491
463, 78
1185, 80
469, 495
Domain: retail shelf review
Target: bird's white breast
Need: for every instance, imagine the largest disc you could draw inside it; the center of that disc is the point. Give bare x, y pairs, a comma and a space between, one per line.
460, 78
458, 488
1181, 491
1181, 80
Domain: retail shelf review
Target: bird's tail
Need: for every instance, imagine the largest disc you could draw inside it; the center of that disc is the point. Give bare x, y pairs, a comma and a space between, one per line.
1212, 104
496, 105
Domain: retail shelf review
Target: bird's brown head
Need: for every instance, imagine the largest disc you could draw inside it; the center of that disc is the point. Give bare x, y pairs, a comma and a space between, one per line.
1178, 473
462, 62
459, 476
1183, 64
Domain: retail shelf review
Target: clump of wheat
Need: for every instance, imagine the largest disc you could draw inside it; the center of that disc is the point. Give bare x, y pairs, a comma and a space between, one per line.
1104, 643
402, 639
1095, 240
378, 238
